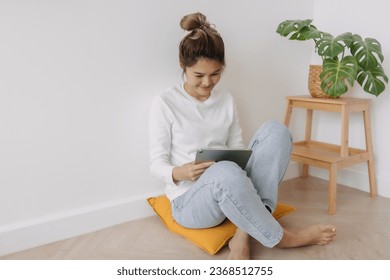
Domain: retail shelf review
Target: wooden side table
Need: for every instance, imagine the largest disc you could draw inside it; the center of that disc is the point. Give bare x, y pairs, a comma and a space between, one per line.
329, 156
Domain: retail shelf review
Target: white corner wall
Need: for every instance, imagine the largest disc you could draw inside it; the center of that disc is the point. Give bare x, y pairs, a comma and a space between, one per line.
76, 80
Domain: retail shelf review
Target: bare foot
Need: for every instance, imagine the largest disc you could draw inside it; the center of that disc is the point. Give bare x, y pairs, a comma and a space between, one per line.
312, 235
239, 246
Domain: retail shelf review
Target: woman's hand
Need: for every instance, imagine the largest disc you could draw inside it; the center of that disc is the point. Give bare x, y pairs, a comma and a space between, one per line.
190, 171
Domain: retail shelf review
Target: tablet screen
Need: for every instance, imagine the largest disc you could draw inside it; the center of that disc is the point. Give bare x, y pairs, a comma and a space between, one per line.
240, 157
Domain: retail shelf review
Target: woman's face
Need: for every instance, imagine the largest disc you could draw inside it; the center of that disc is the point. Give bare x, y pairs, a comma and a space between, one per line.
202, 77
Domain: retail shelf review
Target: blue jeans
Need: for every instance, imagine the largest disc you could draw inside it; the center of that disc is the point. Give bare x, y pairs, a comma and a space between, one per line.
226, 191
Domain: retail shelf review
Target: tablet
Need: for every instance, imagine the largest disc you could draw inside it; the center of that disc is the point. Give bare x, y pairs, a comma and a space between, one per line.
240, 157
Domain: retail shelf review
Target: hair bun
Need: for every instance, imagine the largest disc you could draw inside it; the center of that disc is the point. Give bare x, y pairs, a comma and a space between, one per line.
194, 21
202, 41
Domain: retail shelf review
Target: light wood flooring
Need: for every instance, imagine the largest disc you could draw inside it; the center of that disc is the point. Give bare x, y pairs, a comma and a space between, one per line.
362, 222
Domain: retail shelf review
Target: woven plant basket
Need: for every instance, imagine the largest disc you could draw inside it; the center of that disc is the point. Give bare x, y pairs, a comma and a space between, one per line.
315, 82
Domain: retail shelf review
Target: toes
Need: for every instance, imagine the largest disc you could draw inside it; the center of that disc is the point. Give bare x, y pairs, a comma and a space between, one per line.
328, 234
330, 229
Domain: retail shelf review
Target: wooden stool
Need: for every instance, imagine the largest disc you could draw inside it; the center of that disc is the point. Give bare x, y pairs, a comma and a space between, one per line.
329, 156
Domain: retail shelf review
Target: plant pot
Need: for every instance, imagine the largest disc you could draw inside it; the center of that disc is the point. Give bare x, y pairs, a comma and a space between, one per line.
315, 82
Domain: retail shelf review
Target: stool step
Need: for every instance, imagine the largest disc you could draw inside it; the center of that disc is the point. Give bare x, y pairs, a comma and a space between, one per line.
327, 153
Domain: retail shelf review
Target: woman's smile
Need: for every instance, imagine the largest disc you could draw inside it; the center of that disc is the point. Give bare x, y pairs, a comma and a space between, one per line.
202, 78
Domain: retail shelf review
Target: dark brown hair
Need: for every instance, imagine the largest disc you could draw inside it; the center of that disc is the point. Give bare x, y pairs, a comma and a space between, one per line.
203, 41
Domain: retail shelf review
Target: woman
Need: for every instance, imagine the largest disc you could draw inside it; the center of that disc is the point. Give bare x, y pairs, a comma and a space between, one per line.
195, 115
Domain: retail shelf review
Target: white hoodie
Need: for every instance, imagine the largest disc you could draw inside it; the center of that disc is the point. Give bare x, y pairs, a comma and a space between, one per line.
179, 125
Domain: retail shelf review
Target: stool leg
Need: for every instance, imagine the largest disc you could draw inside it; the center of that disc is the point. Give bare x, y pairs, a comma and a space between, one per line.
309, 122
332, 189
369, 147
305, 170
344, 132
287, 116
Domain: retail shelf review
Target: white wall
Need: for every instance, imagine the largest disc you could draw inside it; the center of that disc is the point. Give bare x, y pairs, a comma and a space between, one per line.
76, 80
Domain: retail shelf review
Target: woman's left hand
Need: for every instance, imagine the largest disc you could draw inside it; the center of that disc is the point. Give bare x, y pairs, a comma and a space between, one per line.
190, 171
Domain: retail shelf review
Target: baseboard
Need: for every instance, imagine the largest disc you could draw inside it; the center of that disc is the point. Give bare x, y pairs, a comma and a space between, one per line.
48, 229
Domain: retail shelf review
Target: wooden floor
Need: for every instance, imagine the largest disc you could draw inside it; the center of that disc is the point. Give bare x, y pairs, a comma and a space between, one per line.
363, 232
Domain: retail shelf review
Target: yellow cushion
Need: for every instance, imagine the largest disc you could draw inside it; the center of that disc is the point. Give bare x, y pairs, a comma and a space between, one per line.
210, 239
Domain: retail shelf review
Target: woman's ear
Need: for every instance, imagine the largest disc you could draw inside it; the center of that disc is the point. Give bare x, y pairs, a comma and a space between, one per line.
184, 75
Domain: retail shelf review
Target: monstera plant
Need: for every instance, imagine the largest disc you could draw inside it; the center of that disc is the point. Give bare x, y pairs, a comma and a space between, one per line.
346, 58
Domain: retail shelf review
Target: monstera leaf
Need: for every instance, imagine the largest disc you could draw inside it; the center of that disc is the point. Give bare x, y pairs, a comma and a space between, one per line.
373, 80
335, 73
301, 30
366, 52
330, 47
309, 32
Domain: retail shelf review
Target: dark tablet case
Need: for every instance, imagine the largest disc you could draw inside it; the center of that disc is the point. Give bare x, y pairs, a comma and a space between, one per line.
240, 157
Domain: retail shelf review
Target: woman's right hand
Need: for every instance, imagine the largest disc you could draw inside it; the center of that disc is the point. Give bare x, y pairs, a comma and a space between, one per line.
190, 171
